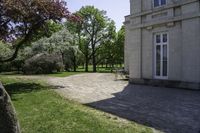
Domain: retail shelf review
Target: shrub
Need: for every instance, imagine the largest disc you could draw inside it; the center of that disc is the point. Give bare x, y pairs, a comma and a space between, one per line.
5, 67
43, 64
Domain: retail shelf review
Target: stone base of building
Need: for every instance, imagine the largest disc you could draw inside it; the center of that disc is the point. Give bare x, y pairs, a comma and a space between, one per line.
166, 83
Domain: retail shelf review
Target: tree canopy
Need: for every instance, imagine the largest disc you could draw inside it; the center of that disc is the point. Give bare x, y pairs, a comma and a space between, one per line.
94, 28
21, 20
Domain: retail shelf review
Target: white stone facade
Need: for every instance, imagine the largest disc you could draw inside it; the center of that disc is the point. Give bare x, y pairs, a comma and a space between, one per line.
162, 42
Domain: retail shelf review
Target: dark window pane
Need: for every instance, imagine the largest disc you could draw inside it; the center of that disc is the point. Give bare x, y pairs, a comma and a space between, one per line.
158, 52
165, 60
164, 68
158, 68
158, 57
164, 37
158, 39
156, 3
163, 2
164, 52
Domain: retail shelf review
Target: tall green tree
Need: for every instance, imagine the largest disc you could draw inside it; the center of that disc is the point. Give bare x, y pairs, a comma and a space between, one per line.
119, 46
95, 25
75, 28
112, 49
106, 52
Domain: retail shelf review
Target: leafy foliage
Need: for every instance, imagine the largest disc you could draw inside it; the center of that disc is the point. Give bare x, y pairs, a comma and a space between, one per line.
22, 20
112, 49
93, 29
119, 46
5, 50
91, 39
43, 64
22, 17
59, 44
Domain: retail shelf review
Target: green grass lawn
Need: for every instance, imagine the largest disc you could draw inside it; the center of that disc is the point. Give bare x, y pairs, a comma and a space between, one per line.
63, 74
56, 74
80, 69
41, 110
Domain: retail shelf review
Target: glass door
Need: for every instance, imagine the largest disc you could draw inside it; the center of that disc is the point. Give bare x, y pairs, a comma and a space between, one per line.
161, 56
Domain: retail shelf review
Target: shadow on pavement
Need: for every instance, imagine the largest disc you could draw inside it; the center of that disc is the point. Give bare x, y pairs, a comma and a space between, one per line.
168, 109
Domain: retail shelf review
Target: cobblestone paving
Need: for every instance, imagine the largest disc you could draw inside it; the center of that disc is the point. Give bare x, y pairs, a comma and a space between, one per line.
168, 109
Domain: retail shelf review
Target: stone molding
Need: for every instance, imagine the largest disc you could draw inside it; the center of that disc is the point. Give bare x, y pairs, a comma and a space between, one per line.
181, 3
165, 20
166, 83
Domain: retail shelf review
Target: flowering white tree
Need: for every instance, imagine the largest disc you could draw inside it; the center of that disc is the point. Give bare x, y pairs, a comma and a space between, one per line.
5, 50
61, 44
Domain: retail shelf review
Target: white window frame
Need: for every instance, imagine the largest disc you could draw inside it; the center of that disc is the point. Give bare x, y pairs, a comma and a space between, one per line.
161, 44
159, 4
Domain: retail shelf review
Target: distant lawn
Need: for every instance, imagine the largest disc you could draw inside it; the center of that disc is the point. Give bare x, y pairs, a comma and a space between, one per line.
80, 70
63, 74
56, 74
41, 110
99, 69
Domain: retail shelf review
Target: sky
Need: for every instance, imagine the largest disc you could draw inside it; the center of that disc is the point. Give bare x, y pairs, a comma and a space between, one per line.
116, 9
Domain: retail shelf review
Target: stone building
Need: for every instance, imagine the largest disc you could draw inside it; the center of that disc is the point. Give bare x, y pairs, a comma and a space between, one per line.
162, 45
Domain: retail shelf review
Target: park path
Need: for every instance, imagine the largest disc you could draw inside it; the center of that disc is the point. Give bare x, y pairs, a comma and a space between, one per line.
88, 88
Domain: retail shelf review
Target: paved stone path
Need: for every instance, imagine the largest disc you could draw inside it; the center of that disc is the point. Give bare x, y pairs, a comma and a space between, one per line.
88, 88
168, 109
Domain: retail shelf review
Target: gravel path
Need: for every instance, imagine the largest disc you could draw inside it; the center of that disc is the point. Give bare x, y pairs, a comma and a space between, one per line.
88, 88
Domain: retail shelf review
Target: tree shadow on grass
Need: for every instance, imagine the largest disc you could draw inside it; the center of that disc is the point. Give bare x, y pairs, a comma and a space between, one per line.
11, 73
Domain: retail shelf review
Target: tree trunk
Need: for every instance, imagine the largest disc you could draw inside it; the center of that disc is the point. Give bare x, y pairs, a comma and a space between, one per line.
74, 60
86, 64
63, 57
8, 119
112, 67
94, 63
94, 58
18, 70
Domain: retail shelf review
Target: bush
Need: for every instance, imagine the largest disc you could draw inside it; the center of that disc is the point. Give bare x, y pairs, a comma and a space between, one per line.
43, 64
5, 67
